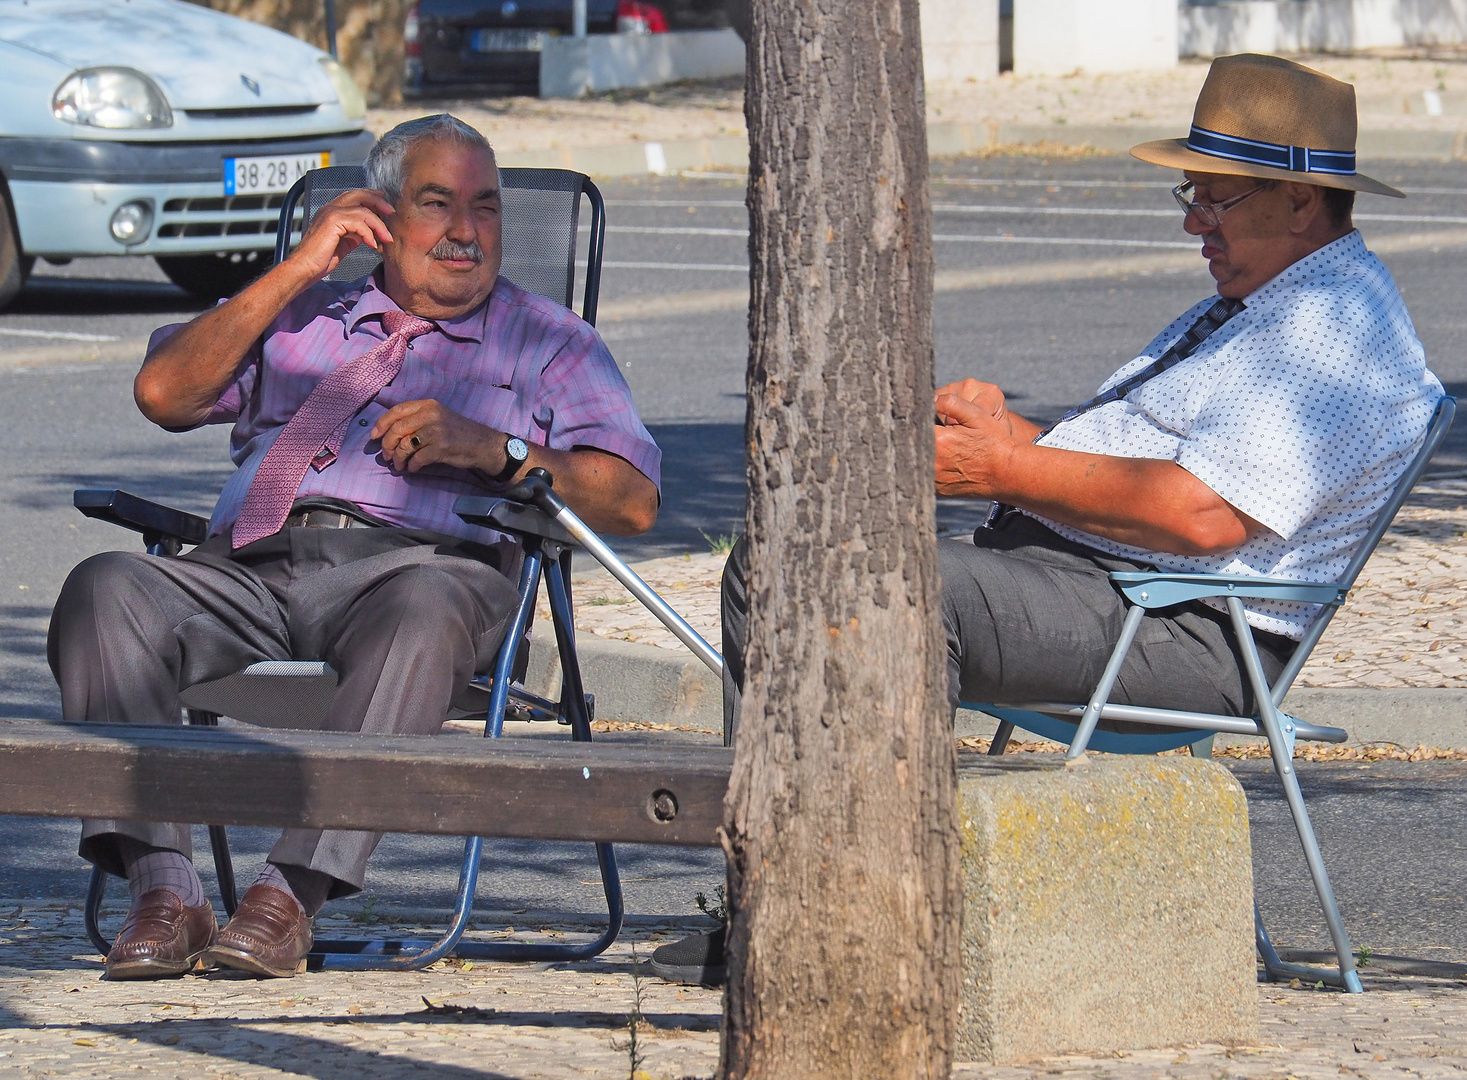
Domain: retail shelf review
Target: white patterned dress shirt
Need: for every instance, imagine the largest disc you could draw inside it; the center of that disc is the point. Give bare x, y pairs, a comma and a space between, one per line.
1301, 411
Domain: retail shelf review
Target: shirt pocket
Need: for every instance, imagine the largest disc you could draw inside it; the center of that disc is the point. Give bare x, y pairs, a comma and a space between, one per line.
1174, 399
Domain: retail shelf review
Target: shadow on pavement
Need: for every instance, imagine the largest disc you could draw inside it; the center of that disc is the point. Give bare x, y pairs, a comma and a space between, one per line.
101, 296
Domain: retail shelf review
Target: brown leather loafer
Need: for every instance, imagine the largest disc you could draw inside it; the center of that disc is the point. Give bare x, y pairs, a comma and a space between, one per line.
269, 934
161, 937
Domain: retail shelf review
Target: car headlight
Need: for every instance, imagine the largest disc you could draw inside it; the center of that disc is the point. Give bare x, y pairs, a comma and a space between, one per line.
353, 105
111, 97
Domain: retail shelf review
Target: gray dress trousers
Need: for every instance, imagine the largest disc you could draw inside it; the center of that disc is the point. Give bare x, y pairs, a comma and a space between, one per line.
406, 617
1031, 616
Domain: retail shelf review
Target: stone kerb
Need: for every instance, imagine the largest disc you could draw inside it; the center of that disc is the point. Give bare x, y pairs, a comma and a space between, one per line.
1107, 906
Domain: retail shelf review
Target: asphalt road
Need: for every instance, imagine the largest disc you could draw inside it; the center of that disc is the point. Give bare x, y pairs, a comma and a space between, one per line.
1050, 275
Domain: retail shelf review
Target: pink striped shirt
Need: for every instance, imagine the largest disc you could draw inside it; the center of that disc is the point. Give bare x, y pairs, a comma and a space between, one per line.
519, 363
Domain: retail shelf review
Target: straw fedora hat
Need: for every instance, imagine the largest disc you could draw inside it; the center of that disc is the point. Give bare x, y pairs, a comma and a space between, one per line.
1269, 117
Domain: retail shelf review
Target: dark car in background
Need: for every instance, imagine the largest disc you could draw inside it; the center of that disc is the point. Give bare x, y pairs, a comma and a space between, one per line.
488, 44
456, 46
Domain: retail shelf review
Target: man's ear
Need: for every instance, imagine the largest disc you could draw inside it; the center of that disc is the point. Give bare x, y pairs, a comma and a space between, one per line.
1306, 203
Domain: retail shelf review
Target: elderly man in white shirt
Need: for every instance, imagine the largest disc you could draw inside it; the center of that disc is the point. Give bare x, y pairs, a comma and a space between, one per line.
1266, 447
1260, 433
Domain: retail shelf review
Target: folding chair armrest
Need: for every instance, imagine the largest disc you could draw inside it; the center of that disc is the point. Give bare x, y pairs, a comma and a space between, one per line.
509, 516
157, 523
1159, 590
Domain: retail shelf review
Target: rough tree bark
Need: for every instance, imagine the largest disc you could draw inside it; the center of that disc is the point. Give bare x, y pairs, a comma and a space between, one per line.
840, 828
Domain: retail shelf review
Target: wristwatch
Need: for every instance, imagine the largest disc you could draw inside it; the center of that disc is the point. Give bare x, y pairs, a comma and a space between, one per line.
516, 453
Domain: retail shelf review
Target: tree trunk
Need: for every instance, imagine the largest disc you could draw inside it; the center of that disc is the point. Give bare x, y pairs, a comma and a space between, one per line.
841, 835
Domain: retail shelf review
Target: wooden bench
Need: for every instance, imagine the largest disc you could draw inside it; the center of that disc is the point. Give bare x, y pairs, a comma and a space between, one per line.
529, 789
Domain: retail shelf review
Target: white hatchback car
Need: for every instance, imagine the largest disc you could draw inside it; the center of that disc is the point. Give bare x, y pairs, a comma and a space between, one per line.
157, 127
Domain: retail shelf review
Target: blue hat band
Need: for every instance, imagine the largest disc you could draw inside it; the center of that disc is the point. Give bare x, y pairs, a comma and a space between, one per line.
1300, 159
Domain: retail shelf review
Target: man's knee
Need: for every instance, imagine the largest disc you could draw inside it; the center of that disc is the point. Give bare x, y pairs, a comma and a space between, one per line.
97, 592
429, 607
102, 580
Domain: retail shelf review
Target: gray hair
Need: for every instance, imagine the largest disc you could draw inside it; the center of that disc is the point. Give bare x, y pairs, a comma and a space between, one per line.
384, 162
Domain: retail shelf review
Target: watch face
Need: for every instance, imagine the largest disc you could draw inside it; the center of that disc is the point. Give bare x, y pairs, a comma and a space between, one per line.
517, 450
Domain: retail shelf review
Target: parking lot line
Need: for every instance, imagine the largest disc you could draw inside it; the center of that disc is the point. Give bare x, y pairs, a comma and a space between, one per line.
58, 335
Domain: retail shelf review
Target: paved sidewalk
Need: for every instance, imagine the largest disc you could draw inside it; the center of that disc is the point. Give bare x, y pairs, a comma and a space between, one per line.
556, 1022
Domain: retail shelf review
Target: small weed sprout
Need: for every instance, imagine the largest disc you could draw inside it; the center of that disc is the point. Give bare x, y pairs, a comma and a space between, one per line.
1364, 957
716, 910
721, 544
636, 1054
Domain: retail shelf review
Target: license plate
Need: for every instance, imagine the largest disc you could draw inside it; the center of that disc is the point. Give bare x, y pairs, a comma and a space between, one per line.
250, 175
510, 40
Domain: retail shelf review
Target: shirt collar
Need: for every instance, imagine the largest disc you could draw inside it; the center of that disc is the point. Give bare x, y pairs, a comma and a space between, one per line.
1348, 248
372, 302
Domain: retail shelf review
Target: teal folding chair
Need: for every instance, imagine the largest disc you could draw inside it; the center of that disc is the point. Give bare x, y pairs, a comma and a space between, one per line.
1149, 592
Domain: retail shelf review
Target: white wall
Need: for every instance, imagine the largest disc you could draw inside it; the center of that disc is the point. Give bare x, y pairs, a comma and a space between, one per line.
959, 41
1283, 26
572, 67
1054, 37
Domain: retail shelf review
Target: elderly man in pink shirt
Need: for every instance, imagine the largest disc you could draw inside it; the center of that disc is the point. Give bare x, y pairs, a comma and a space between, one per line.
371, 403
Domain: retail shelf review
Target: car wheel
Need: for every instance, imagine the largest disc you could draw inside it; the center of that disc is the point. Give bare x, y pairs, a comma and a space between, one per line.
209, 277
14, 267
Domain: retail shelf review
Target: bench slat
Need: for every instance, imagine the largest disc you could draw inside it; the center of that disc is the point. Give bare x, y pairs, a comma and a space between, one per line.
530, 789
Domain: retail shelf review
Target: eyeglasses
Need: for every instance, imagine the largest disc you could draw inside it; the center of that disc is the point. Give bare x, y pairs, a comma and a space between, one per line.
1210, 214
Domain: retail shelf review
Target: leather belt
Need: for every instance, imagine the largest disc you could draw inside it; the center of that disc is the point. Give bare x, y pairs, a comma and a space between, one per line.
324, 519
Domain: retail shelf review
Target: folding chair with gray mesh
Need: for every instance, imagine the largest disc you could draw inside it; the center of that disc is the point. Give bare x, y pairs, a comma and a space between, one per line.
541, 217
1154, 592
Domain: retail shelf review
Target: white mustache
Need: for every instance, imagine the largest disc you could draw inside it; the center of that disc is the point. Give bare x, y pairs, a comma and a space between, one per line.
452, 249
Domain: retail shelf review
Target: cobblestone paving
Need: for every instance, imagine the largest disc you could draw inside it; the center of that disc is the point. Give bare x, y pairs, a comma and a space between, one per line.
485, 1020
1404, 625
559, 1022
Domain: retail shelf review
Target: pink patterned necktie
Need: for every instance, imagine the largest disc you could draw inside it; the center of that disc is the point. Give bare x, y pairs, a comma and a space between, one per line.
312, 437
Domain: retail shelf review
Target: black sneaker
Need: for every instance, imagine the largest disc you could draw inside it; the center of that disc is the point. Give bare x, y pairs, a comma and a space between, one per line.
696, 961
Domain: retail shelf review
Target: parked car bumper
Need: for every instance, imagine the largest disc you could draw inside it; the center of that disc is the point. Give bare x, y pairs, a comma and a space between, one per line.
64, 193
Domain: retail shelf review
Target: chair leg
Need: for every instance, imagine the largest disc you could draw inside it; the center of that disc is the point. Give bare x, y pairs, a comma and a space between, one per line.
1091, 716
96, 890
1001, 737
1272, 965
218, 839
1202, 748
409, 955
1283, 763
224, 868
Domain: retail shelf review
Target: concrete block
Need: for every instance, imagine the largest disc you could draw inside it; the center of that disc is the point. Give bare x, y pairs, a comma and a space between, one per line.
573, 67
1108, 906
1056, 37
959, 41
633, 682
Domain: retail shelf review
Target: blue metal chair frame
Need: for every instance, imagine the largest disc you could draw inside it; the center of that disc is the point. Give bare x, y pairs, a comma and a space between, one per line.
548, 548
1148, 592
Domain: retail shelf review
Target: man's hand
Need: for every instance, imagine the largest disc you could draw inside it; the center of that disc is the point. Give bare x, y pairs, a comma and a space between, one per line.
607, 492
974, 444
339, 228
985, 451
182, 379
417, 434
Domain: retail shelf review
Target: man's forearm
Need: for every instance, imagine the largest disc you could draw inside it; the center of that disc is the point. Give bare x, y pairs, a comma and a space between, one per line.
183, 378
1144, 502
608, 493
